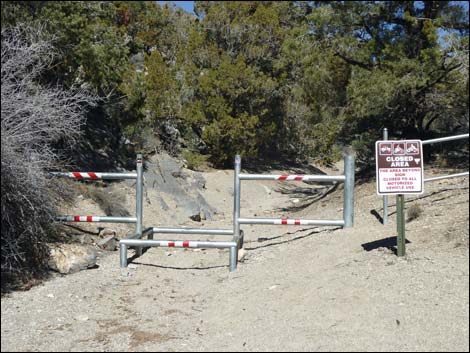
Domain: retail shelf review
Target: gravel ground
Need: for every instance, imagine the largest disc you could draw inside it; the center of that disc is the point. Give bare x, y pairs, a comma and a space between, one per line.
297, 289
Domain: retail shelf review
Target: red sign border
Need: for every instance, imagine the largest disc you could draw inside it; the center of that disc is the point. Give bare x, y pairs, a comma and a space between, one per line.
377, 168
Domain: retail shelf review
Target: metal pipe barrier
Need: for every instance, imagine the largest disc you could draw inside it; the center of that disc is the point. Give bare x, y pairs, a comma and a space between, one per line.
348, 206
138, 176
427, 180
136, 241
446, 139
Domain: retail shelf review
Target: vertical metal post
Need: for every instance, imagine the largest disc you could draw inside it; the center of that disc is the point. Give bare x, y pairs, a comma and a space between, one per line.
139, 186
236, 199
233, 258
123, 255
401, 239
348, 207
385, 198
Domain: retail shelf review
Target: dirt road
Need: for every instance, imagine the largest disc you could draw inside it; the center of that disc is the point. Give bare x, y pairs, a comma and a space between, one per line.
298, 289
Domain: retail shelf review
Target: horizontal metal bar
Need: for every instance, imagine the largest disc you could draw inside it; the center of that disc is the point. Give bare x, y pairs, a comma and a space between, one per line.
445, 139
286, 221
446, 177
179, 243
329, 178
166, 230
96, 219
94, 176
138, 235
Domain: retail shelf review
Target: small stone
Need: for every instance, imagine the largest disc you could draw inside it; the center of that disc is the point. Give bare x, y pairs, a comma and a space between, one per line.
196, 217
109, 243
50, 295
106, 232
241, 254
81, 317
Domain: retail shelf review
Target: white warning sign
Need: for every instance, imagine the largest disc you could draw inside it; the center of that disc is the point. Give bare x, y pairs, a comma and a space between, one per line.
399, 167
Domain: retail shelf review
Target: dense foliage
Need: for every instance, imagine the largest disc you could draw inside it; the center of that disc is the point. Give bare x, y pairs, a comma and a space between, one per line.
264, 78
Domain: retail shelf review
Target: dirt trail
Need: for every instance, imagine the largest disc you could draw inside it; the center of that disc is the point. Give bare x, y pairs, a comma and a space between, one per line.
298, 289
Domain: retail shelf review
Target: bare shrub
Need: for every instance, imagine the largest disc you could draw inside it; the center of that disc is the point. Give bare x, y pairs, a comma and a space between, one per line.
33, 117
413, 212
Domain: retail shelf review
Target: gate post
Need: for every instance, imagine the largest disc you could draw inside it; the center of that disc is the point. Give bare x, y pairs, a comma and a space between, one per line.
123, 254
348, 207
236, 210
385, 198
139, 200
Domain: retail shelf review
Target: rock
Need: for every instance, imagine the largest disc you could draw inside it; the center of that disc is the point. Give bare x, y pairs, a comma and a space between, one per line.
106, 232
196, 217
70, 258
241, 254
81, 317
202, 214
110, 243
179, 174
81, 238
294, 201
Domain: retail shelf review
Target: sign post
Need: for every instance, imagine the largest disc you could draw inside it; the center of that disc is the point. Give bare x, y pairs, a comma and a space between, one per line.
399, 170
401, 240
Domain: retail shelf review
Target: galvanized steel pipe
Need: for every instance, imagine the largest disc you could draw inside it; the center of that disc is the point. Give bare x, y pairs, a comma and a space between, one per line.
445, 139
328, 178
385, 197
179, 243
166, 230
139, 198
348, 202
236, 198
96, 219
286, 221
446, 177
94, 176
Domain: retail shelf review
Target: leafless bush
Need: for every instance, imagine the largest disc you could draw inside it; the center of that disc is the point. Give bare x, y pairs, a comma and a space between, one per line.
33, 117
413, 212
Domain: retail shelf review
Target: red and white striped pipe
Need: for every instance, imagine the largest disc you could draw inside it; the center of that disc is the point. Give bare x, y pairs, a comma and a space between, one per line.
287, 221
290, 177
96, 219
84, 175
94, 176
295, 222
285, 177
178, 244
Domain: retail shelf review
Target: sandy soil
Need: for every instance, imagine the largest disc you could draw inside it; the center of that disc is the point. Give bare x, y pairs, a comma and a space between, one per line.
298, 288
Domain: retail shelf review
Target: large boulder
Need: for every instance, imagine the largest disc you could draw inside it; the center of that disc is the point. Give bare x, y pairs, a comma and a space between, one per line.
178, 189
70, 258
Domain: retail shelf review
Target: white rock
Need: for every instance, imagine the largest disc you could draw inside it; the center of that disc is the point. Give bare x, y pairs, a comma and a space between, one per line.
81, 317
70, 258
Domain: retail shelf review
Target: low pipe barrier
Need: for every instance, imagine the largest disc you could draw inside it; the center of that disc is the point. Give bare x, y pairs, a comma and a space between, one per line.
138, 176
348, 205
236, 234
136, 241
